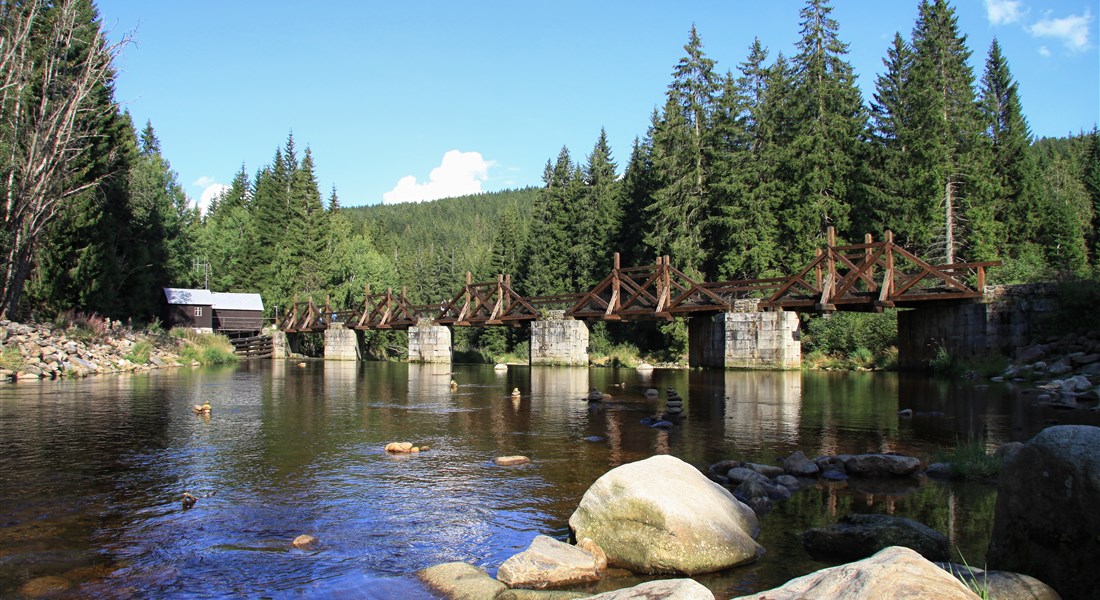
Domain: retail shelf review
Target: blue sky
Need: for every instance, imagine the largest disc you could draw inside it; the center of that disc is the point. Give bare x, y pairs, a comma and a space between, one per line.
415, 100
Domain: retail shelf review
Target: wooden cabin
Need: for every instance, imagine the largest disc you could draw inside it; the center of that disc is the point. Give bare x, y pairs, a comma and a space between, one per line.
188, 308
238, 312
206, 311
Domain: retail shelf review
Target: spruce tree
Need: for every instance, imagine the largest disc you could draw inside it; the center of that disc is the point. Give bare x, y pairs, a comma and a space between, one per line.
1009, 140
825, 151
640, 182
547, 269
950, 173
682, 153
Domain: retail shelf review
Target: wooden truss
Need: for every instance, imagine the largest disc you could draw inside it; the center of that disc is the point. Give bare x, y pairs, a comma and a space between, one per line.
490, 303
384, 311
306, 316
874, 276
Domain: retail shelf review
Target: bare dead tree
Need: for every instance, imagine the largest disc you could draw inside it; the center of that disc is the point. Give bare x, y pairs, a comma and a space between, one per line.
52, 67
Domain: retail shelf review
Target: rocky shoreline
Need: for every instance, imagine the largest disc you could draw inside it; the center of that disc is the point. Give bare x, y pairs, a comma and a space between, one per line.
46, 351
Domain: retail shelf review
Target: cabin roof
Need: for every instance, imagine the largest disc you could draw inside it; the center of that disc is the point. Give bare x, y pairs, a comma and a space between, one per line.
235, 301
189, 297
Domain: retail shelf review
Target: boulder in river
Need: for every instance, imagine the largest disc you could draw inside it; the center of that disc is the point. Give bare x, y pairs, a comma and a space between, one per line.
548, 563
892, 574
662, 589
661, 515
1045, 522
859, 536
461, 581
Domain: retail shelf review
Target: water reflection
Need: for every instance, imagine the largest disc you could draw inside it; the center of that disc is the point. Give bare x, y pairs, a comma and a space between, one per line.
92, 472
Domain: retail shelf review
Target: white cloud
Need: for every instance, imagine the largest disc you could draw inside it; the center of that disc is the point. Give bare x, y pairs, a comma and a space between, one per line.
460, 174
1044, 51
210, 189
1072, 30
1003, 12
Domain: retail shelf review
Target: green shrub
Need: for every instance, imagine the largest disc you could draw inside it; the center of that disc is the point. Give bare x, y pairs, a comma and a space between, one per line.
140, 353
846, 332
618, 355
205, 348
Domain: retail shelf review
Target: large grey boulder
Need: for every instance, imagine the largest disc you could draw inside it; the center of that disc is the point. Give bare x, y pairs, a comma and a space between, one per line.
1046, 523
548, 563
662, 589
661, 515
859, 536
892, 574
461, 581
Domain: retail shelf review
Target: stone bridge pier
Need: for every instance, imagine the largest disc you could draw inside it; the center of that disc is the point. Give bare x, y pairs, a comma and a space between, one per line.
430, 343
556, 340
342, 343
747, 339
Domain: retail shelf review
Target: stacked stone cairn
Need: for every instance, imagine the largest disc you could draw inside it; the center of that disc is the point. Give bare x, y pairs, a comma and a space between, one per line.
674, 404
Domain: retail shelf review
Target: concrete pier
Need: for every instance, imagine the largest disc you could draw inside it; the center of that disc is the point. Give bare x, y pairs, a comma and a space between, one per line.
429, 343
745, 340
341, 343
559, 341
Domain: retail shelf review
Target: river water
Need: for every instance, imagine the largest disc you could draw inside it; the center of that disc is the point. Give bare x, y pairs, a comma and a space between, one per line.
93, 471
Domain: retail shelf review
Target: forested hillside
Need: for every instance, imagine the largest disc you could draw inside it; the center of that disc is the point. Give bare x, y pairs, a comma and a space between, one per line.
743, 167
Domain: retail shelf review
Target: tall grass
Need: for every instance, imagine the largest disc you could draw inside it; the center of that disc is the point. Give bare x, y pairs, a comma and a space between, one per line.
11, 359
85, 327
969, 460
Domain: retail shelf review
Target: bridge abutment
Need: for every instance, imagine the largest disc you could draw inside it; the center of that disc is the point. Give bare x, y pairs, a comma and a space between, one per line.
1008, 317
341, 343
429, 343
745, 340
559, 341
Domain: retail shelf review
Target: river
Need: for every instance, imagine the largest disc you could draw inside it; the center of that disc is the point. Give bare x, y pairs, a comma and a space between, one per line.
93, 471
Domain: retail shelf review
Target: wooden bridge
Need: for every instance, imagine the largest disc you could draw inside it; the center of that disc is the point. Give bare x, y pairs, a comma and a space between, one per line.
870, 276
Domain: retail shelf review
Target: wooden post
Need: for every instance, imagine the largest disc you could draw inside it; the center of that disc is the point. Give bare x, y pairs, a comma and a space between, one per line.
615, 286
889, 278
831, 258
817, 269
867, 258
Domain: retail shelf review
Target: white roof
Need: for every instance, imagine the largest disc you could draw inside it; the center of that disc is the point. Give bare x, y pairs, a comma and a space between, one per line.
232, 301
186, 296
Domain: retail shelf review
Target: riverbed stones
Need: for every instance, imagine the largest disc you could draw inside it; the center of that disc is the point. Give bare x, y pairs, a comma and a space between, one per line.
548, 563
510, 461
1045, 521
661, 515
662, 589
880, 465
461, 581
892, 574
798, 465
858, 536
399, 447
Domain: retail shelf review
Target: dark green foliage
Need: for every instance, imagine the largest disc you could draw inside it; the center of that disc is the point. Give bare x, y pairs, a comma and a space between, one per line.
845, 333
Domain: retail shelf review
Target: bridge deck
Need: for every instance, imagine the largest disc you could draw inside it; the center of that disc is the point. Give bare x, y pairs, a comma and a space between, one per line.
870, 276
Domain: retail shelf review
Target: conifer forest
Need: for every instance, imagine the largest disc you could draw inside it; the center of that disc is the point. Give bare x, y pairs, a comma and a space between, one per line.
744, 165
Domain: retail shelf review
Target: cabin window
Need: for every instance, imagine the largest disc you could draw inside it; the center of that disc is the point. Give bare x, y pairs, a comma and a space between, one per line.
198, 311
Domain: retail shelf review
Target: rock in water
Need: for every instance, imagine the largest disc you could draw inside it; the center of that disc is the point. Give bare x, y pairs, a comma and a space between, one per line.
304, 542
508, 461
1045, 523
399, 447
548, 563
859, 536
892, 574
661, 515
662, 589
460, 581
